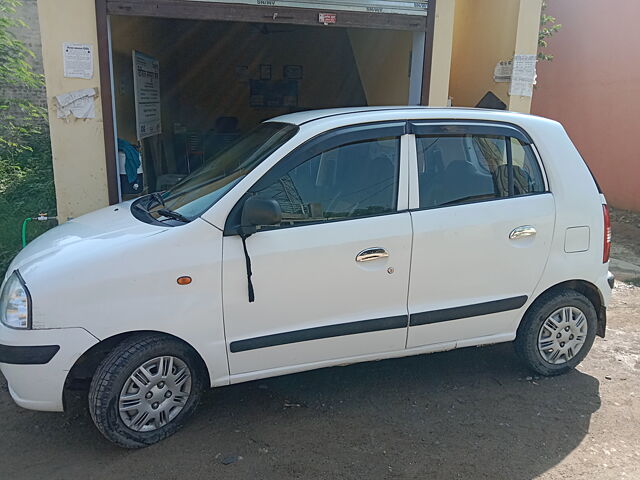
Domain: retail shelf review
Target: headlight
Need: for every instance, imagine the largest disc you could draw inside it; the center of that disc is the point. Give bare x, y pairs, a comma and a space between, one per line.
15, 303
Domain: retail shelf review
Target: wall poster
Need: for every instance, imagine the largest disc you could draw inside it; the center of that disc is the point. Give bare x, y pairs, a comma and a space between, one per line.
146, 88
523, 76
77, 60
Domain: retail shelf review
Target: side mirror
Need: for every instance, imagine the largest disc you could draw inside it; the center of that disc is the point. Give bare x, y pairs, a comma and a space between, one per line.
259, 211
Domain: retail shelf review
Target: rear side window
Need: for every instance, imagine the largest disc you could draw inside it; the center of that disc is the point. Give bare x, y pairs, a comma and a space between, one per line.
466, 168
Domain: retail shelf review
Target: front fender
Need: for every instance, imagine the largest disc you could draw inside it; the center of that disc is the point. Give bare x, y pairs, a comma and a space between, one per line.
124, 287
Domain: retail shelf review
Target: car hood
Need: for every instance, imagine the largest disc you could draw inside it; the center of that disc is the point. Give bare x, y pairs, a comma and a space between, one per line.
96, 231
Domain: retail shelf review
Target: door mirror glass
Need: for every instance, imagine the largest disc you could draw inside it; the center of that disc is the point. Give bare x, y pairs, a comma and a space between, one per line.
259, 212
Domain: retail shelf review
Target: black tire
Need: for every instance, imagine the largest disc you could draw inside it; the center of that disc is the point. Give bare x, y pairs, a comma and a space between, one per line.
526, 343
115, 370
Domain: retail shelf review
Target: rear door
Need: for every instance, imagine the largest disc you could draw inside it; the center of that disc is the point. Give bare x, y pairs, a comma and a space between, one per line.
482, 232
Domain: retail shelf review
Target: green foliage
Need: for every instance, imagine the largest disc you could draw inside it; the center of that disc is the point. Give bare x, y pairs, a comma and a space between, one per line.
26, 173
19, 118
548, 27
26, 189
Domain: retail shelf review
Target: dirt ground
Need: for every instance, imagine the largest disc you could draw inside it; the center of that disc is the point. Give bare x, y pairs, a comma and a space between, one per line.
470, 414
625, 249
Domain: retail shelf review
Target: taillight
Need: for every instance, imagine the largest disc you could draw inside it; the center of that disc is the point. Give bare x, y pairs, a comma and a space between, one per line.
607, 234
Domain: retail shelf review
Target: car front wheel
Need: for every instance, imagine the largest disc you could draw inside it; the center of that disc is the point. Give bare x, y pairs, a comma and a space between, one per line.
557, 332
145, 390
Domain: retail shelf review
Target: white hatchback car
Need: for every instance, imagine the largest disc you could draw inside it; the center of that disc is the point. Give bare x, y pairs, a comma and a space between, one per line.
320, 238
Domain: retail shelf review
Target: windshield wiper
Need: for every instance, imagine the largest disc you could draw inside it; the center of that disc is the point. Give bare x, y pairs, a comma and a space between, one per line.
157, 196
165, 212
140, 207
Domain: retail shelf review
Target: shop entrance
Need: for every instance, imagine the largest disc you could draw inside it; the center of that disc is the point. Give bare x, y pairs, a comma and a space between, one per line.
219, 79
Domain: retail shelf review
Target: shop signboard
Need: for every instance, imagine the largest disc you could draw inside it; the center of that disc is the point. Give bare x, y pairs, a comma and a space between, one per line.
146, 87
370, 6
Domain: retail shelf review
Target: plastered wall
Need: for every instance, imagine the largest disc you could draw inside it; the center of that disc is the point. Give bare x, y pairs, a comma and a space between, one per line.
77, 145
592, 87
372, 48
486, 32
441, 56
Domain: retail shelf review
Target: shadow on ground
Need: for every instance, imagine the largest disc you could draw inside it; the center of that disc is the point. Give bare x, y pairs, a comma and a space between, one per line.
472, 413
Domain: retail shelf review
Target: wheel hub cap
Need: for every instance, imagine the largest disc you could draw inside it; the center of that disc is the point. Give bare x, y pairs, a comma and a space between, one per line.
562, 335
155, 393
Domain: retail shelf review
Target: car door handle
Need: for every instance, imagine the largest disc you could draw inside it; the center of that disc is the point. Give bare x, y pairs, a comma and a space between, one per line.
373, 253
522, 232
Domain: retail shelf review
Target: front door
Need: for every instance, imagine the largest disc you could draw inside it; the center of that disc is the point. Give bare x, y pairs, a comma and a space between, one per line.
482, 233
331, 281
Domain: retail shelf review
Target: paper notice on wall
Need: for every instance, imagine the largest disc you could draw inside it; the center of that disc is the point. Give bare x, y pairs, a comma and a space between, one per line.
502, 72
78, 60
146, 87
523, 75
79, 103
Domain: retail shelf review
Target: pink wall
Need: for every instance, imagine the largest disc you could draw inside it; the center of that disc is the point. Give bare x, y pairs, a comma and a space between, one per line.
593, 87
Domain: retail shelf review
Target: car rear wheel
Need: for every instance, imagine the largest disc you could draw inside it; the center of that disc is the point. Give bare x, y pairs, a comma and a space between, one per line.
557, 332
145, 390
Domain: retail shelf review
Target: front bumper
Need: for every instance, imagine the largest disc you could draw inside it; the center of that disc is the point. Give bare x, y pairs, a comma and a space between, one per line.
31, 355
36, 363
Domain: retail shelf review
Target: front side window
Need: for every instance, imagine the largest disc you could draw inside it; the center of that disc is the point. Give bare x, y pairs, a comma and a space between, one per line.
353, 180
465, 168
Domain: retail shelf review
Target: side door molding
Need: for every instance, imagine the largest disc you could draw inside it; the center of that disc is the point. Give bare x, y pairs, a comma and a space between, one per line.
378, 324
467, 311
317, 333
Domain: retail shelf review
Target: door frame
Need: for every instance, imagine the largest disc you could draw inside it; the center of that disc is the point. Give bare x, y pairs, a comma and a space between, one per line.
309, 148
423, 28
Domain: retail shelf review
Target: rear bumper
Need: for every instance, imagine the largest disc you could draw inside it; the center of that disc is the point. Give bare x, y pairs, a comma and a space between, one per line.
602, 322
36, 363
606, 287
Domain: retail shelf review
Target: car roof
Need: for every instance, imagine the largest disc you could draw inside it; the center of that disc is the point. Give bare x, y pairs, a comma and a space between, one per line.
399, 112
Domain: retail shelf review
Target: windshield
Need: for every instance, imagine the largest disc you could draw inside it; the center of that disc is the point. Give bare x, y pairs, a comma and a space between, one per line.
205, 186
